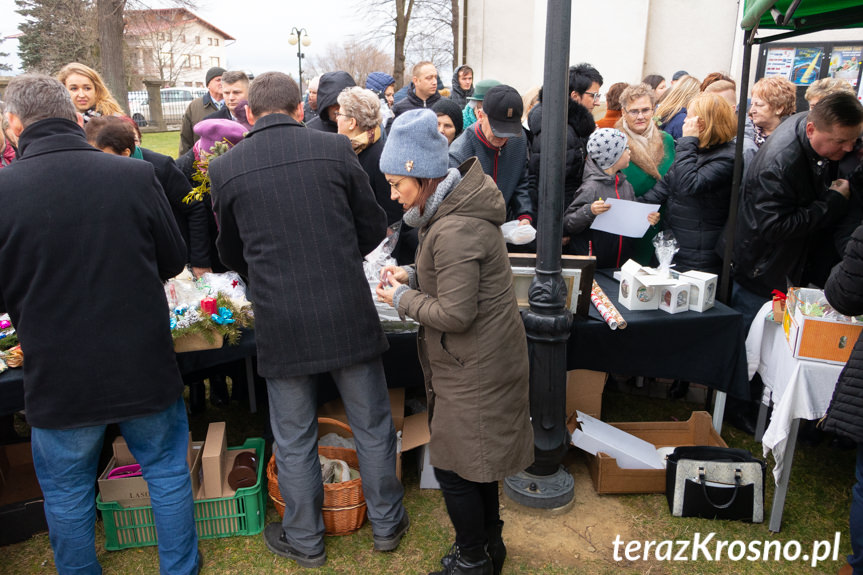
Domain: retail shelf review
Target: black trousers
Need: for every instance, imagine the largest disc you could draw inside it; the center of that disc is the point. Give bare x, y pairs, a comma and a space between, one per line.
473, 507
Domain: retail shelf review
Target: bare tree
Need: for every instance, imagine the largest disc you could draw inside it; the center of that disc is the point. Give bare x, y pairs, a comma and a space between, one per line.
356, 58
111, 25
159, 38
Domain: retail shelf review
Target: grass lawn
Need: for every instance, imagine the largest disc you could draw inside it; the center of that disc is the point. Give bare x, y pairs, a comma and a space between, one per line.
167, 143
816, 508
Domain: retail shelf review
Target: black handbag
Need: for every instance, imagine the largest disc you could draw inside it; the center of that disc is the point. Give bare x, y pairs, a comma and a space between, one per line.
715, 483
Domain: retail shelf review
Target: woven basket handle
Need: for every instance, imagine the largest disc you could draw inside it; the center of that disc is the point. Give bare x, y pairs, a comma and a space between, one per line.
336, 423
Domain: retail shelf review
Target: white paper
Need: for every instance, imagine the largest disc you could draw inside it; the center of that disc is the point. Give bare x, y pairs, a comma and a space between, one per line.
625, 218
629, 451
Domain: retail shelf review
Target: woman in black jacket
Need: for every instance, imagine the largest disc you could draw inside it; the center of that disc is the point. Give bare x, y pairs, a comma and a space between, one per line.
696, 190
844, 291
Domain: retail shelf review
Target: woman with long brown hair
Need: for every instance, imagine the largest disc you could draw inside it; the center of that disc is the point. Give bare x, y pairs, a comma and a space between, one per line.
88, 91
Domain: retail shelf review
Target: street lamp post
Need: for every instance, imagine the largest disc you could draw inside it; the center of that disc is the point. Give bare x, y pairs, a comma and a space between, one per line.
296, 38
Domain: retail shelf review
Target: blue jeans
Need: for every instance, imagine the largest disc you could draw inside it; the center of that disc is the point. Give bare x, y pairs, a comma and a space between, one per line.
293, 415
856, 518
66, 462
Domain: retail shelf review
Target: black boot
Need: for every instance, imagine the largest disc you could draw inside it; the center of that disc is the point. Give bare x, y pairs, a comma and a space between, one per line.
496, 548
219, 395
468, 561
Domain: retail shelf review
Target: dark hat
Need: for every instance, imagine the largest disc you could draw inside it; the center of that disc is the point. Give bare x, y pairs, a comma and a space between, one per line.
378, 82
504, 107
213, 72
679, 74
447, 107
481, 87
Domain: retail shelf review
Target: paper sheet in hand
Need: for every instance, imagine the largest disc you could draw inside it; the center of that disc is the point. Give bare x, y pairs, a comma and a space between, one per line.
625, 218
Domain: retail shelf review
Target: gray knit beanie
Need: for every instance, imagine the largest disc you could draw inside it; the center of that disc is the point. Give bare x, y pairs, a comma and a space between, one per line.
605, 146
414, 147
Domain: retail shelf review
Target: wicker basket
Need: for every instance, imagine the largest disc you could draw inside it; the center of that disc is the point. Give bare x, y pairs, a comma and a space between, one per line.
344, 508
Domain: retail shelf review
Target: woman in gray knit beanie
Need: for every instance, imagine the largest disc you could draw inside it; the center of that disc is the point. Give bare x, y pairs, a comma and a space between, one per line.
472, 344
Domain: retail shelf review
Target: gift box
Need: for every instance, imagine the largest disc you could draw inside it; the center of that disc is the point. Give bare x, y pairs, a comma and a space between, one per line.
702, 294
640, 289
674, 298
815, 331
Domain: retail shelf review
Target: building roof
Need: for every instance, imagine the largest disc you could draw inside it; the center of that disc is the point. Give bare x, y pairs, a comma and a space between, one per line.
143, 22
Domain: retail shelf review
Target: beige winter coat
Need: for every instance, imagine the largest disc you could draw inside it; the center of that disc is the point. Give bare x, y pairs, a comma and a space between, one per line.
472, 344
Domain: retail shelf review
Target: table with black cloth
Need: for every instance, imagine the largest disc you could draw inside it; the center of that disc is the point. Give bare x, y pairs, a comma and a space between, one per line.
707, 348
400, 364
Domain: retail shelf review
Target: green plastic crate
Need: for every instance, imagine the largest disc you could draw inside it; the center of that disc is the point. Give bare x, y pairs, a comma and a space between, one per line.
242, 514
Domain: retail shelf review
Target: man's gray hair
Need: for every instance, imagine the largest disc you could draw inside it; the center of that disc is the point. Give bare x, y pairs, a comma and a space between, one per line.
362, 105
273, 92
34, 97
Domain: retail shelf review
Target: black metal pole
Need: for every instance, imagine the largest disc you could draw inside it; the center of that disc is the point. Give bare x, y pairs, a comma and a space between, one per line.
546, 484
737, 177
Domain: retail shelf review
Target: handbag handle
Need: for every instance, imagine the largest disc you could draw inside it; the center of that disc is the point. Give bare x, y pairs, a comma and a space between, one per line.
703, 480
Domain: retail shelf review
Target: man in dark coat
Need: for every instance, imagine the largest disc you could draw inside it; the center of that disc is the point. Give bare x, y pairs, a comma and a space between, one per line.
423, 91
844, 291
200, 108
788, 194
296, 216
86, 240
462, 85
235, 89
329, 88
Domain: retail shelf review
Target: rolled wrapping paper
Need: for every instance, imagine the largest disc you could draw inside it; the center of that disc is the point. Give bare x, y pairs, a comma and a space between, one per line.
605, 308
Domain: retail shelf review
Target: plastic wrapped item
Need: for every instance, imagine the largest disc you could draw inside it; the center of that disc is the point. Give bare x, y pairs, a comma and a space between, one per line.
229, 284
666, 246
382, 255
516, 234
813, 303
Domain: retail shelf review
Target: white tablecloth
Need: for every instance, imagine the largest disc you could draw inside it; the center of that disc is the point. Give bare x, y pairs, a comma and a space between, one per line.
800, 388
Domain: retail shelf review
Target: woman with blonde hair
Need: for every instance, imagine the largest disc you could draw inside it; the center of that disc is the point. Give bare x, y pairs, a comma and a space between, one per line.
89, 93
820, 88
773, 100
652, 152
671, 110
696, 191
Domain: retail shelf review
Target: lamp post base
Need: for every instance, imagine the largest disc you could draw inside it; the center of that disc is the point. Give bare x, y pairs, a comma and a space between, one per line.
540, 491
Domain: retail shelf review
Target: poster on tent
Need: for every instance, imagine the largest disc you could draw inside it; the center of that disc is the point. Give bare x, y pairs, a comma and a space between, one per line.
779, 63
845, 63
807, 66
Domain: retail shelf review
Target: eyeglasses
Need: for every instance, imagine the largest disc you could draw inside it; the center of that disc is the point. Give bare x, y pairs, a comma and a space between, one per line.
594, 95
642, 112
396, 184
342, 115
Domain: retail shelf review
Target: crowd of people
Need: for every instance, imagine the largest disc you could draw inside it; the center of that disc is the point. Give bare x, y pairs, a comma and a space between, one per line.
308, 187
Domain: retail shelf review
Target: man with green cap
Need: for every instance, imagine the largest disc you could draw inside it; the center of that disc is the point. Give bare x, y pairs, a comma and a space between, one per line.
474, 102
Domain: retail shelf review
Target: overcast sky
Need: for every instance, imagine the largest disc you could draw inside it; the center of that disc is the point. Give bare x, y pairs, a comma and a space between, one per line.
261, 29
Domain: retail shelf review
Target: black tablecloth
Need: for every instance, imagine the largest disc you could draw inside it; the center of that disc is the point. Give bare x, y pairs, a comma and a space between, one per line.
707, 348
400, 364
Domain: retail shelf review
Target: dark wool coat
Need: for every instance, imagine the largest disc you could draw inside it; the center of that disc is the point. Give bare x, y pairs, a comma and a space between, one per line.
844, 291
471, 342
296, 216
86, 239
785, 199
696, 193
192, 217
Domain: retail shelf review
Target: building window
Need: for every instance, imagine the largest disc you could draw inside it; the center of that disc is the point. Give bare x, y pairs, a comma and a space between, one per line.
197, 39
215, 41
214, 61
182, 38
192, 61
209, 41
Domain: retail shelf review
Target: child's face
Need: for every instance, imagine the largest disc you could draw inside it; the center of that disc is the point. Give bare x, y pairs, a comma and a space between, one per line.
623, 161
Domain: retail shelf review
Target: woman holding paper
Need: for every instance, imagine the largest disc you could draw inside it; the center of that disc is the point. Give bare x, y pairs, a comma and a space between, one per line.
696, 191
608, 153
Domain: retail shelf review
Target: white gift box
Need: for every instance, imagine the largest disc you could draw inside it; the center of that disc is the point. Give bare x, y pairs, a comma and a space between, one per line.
702, 296
639, 289
674, 298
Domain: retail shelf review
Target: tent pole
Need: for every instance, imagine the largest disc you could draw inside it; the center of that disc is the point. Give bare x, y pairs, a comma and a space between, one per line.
731, 228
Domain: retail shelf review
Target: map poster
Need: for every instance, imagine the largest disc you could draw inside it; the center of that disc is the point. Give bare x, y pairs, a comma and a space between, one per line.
845, 63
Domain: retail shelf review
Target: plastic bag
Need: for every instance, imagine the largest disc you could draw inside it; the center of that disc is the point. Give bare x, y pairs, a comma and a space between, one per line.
666, 247
229, 284
382, 255
518, 235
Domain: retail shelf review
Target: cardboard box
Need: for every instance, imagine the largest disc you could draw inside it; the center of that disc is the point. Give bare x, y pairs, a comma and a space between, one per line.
674, 298
22, 511
197, 342
134, 491
608, 477
584, 393
639, 289
817, 338
213, 460
414, 428
702, 294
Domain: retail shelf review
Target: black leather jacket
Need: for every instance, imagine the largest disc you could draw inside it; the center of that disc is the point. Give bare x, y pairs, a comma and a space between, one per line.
785, 198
